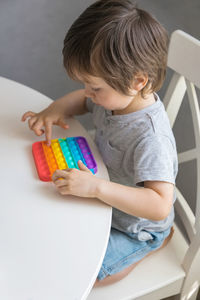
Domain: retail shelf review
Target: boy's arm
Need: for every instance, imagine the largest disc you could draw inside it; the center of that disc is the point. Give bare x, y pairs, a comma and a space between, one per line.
153, 202
73, 103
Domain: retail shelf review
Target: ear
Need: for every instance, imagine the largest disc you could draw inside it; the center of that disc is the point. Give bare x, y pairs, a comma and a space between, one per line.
139, 82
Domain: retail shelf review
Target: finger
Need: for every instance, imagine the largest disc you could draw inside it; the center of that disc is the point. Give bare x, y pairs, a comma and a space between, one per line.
26, 115
59, 174
58, 183
38, 131
48, 132
82, 166
31, 122
37, 128
63, 190
62, 124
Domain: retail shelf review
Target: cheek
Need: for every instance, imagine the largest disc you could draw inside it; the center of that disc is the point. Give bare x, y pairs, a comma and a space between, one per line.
108, 100
101, 96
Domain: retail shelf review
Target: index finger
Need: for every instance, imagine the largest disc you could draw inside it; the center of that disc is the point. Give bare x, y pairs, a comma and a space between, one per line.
48, 132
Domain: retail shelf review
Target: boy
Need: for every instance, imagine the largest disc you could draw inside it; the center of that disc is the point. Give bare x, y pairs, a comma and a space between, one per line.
119, 52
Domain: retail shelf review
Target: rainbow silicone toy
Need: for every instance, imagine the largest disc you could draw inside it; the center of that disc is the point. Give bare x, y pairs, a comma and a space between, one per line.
62, 154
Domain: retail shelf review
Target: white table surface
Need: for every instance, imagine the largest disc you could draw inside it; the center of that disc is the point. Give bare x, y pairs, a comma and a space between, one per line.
51, 246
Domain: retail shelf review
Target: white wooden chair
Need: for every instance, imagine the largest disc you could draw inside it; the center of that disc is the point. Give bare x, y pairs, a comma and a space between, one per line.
175, 269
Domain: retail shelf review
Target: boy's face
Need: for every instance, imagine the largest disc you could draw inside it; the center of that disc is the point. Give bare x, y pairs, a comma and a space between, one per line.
104, 95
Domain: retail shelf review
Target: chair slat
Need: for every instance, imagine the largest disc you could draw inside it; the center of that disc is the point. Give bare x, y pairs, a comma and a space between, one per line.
191, 265
197, 213
194, 106
184, 56
184, 211
174, 96
187, 155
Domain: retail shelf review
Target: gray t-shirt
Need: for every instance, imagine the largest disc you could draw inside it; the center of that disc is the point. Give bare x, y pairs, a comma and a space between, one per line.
136, 147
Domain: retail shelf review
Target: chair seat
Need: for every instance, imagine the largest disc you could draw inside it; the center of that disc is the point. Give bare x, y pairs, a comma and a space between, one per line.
158, 276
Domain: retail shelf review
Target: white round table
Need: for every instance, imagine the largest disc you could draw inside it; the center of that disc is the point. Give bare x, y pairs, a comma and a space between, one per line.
51, 246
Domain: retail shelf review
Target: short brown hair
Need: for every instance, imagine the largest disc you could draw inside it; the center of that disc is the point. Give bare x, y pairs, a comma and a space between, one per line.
115, 40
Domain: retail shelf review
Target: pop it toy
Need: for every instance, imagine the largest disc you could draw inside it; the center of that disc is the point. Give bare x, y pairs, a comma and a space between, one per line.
62, 154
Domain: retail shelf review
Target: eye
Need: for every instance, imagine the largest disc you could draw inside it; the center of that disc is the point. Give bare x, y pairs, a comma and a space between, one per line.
96, 89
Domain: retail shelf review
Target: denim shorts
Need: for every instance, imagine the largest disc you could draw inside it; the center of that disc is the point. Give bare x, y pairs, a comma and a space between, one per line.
125, 249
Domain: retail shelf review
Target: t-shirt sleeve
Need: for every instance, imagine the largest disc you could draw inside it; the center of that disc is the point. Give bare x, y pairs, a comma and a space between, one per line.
89, 105
155, 159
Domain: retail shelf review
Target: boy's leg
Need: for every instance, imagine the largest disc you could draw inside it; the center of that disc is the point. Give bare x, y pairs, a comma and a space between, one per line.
120, 275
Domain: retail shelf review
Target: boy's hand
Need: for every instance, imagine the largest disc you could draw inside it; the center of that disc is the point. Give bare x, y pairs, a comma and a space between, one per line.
45, 119
76, 182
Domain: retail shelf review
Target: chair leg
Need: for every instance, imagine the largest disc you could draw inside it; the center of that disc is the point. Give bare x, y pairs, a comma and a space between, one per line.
190, 296
193, 296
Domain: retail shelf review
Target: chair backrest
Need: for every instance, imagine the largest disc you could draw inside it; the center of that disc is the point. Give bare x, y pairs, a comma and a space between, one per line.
184, 60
